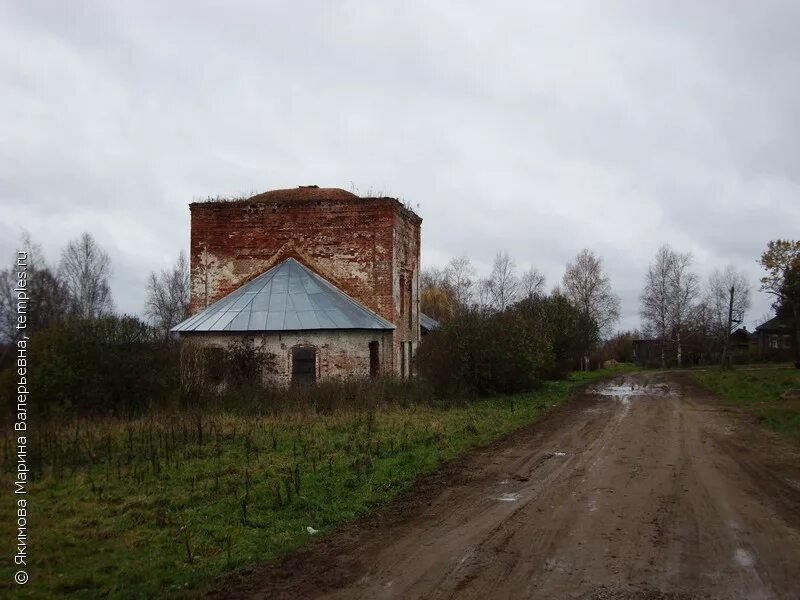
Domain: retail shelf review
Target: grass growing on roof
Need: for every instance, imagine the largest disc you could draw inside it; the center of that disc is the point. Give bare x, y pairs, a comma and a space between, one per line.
160, 506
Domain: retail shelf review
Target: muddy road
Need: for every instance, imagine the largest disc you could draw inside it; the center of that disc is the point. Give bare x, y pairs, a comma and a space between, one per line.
641, 487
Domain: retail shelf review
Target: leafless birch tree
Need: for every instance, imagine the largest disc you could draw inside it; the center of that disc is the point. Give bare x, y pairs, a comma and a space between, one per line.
168, 295
588, 288
655, 299
8, 310
502, 285
48, 298
460, 274
685, 287
669, 297
86, 268
718, 299
532, 283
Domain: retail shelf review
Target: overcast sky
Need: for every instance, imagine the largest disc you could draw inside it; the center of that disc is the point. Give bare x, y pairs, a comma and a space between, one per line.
531, 128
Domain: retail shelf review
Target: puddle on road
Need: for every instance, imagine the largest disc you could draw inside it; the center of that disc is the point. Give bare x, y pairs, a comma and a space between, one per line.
659, 389
511, 497
624, 393
744, 558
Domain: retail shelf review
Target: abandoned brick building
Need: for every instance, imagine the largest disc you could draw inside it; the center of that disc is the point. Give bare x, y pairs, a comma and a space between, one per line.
325, 280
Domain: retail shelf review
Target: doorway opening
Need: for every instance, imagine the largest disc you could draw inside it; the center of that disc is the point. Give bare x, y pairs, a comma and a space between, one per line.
304, 365
374, 360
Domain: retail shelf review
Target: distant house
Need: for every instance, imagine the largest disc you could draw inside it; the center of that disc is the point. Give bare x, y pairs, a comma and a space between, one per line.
647, 353
740, 341
753, 342
427, 324
773, 340
775, 335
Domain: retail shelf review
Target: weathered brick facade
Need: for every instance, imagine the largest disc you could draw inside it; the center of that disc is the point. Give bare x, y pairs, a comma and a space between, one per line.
339, 354
368, 247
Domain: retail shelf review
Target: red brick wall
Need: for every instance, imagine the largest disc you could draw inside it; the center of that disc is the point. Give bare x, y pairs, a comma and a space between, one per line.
361, 245
406, 265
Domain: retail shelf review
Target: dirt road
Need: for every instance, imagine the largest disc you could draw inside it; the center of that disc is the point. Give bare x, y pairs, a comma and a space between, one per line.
644, 487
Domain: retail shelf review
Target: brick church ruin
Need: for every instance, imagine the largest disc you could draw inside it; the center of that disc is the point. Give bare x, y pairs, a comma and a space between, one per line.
325, 280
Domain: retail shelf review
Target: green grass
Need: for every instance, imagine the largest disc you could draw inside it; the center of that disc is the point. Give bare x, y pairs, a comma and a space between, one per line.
154, 508
759, 389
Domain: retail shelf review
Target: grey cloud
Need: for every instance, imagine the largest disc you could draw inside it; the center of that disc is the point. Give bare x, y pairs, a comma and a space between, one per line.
531, 127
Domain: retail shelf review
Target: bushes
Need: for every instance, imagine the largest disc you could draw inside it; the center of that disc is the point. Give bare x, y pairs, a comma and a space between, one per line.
481, 353
234, 374
111, 365
620, 347
121, 367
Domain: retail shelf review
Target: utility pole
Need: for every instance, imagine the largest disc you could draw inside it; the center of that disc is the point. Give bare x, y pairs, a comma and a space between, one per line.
726, 358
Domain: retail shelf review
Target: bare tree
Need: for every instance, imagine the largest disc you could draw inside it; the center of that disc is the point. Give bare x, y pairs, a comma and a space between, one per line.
502, 285
459, 275
685, 288
483, 294
702, 327
168, 295
532, 283
436, 297
48, 298
588, 287
728, 299
50, 301
655, 299
432, 277
668, 298
86, 268
8, 309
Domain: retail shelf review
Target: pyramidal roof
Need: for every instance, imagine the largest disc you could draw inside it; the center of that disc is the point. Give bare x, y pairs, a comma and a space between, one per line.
288, 297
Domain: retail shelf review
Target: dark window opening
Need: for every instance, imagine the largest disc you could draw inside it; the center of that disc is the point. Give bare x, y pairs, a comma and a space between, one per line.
410, 304
213, 358
402, 295
304, 366
374, 360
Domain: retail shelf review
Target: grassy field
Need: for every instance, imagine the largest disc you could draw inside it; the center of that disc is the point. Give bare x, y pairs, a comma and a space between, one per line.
759, 389
161, 506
